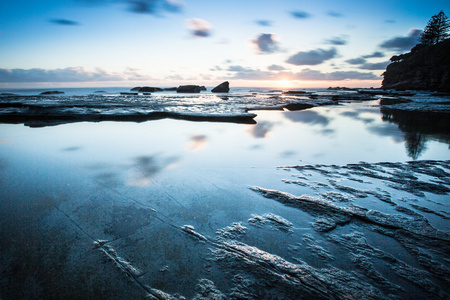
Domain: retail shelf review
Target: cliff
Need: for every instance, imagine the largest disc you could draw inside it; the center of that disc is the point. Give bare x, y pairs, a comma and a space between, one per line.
424, 68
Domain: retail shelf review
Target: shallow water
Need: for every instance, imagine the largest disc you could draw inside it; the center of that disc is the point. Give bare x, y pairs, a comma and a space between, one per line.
278, 209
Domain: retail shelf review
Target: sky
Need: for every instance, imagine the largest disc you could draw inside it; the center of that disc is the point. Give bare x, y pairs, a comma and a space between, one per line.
265, 43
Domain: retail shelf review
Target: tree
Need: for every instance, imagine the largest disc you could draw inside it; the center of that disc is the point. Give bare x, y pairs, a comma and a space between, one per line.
436, 30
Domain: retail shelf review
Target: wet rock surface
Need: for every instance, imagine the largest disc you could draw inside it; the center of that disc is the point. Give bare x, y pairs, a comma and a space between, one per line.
371, 238
47, 109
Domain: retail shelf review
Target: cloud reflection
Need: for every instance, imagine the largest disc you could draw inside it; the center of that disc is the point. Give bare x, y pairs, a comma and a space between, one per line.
307, 117
261, 129
197, 142
146, 167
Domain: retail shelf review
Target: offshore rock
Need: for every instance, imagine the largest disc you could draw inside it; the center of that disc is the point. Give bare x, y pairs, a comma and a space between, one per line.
150, 89
224, 87
52, 93
189, 89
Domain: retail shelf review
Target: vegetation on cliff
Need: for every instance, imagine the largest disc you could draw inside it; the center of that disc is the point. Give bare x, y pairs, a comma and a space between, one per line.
427, 66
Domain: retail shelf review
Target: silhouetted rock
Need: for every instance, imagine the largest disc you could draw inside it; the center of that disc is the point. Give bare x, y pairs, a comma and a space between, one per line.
170, 89
224, 87
135, 89
52, 93
189, 89
426, 67
126, 93
295, 92
146, 89
202, 88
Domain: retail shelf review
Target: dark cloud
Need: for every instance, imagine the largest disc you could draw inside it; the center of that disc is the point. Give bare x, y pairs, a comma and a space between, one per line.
276, 68
313, 57
78, 74
334, 14
356, 61
199, 27
154, 7
265, 23
374, 66
298, 14
64, 22
338, 41
362, 60
402, 43
266, 43
376, 54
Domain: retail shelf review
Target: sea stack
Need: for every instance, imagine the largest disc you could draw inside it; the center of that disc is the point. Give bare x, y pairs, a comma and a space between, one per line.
224, 87
189, 89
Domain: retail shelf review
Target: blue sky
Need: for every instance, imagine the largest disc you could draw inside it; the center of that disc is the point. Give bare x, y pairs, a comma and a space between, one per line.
277, 43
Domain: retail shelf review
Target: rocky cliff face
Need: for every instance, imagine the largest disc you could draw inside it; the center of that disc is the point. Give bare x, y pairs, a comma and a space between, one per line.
424, 68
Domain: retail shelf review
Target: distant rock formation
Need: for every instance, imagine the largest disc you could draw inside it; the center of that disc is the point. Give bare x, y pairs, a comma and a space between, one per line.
52, 93
224, 87
426, 67
189, 89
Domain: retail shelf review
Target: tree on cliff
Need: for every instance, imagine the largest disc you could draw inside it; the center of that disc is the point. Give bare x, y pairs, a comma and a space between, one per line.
436, 30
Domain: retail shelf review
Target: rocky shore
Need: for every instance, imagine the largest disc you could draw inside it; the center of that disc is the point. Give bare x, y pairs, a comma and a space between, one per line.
426, 67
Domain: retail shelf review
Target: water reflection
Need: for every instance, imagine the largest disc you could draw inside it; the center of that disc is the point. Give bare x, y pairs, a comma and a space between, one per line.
415, 144
71, 149
146, 167
418, 128
308, 117
261, 129
197, 142
357, 115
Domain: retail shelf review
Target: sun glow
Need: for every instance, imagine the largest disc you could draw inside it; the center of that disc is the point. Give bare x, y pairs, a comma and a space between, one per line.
284, 83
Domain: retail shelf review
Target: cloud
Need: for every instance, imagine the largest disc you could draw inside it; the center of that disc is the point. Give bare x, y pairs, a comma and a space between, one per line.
356, 61
298, 14
363, 60
313, 57
265, 23
276, 68
238, 69
78, 74
154, 7
376, 54
375, 66
334, 14
403, 43
63, 22
308, 74
266, 43
199, 27
338, 41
